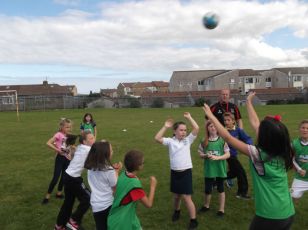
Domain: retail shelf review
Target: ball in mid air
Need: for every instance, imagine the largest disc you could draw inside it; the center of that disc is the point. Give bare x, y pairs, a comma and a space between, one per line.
210, 20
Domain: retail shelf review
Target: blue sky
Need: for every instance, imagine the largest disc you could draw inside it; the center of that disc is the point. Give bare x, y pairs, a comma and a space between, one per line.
98, 44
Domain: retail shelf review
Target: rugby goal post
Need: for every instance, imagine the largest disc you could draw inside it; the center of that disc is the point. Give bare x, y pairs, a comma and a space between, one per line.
10, 98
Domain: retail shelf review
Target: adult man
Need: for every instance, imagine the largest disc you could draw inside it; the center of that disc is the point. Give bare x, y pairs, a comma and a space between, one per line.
223, 105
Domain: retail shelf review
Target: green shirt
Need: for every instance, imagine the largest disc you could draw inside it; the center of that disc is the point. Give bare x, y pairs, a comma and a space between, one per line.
271, 190
88, 127
124, 216
215, 168
301, 157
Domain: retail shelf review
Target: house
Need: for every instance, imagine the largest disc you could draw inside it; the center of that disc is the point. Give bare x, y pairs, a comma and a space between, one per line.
109, 93
137, 88
44, 89
240, 79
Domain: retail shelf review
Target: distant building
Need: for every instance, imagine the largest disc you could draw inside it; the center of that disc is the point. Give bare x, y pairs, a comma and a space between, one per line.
239, 79
138, 88
44, 89
109, 93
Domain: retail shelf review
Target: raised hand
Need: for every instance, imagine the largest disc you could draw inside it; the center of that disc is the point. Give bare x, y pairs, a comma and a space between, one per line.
169, 123
153, 181
251, 96
187, 115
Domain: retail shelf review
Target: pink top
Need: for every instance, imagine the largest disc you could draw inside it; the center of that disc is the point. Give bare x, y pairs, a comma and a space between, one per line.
60, 140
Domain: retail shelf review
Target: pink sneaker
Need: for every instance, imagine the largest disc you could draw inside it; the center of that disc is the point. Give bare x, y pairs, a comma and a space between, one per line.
71, 224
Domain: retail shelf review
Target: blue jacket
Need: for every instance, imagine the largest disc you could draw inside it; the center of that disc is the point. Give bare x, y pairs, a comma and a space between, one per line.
241, 135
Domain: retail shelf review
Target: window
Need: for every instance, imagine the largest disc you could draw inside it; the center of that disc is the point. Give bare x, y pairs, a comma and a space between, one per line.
268, 79
201, 82
297, 78
7, 100
240, 80
232, 81
249, 80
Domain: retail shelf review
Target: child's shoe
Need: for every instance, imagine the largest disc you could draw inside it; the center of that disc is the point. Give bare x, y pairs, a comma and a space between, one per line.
59, 196
193, 224
45, 201
203, 209
243, 196
59, 227
73, 225
229, 183
220, 214
176, 215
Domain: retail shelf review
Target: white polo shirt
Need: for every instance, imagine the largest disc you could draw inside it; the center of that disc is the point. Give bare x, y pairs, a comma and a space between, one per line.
179, 152
77, 163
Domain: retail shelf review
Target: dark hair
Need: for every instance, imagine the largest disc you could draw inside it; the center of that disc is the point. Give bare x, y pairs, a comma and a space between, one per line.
228, 114
83, 136
88, 114
133, 160
99, 156
71, 139
274, 139
177, 124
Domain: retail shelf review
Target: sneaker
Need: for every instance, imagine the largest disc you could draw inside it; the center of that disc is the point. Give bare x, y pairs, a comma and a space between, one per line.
244, 197
45, 201
59, 196
193, 224
220, 214
176, 215
59, 227
229, 183
71, 224
203, 209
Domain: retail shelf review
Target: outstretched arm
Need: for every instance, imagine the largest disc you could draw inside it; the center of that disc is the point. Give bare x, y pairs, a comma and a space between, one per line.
193, 123
159, 136
240, 123
242, 147
252, 115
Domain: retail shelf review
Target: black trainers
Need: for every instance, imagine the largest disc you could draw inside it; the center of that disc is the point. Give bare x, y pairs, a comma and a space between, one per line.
243, 196
203, 209
45, 201
176, 215
220, 214
193, 224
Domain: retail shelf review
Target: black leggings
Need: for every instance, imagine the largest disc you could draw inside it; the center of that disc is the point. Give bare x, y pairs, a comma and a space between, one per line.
209, 184
61, 164
270, 224
101, 219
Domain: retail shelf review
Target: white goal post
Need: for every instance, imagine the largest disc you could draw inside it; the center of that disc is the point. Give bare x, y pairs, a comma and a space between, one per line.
10, 97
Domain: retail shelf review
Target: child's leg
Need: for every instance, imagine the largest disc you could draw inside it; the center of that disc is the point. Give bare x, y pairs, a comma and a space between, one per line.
298, 188
64, 164
221, 191
190, 206
177, 201
101, 219
83, 195
208, 182
56, 175
241, 176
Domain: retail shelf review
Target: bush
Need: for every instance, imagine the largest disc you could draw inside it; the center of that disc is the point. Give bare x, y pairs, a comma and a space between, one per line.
135, 103
158, 103
200, 102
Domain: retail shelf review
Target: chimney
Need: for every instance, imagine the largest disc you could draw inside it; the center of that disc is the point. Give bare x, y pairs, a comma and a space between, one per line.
45, 82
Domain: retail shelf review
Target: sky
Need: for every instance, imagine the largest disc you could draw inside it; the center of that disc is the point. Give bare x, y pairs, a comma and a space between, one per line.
98, 44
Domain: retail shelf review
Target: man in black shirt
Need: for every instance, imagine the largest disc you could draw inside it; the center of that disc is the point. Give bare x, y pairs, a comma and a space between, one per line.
223, 105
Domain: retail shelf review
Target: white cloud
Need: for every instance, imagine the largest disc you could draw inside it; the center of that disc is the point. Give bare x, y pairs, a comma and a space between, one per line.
67, 2
157, 35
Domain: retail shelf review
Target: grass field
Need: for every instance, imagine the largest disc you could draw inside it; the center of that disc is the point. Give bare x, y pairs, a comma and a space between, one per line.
26, 166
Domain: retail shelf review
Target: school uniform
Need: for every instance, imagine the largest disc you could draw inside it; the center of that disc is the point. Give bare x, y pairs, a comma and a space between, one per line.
75, 188
180, 164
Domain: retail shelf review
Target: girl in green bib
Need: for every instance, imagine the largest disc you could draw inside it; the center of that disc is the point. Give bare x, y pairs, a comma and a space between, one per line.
88, 124
214, 150
129, 190
269, 161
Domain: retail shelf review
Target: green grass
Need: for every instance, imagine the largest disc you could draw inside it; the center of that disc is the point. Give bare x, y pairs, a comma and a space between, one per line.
26, 166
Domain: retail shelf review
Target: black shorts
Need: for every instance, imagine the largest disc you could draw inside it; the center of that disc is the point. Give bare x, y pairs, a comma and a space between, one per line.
269, 224
209, 182
181, 182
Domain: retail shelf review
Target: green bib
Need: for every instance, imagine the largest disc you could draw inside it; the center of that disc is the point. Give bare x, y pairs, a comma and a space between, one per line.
215, 168
124, 216
271, 190
301, 156
88, 127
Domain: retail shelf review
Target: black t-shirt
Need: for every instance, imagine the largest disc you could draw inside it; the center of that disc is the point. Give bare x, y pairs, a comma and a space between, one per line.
219, 108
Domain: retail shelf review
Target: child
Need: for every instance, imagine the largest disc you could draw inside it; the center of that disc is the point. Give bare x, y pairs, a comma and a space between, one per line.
88, 123
102, 178
57, 143
235, 167
75, 188
129, 190
181, 165
300, 161
269, 162
214, 151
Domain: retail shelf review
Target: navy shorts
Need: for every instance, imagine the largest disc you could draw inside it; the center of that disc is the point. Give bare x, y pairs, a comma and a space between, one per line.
181, 182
